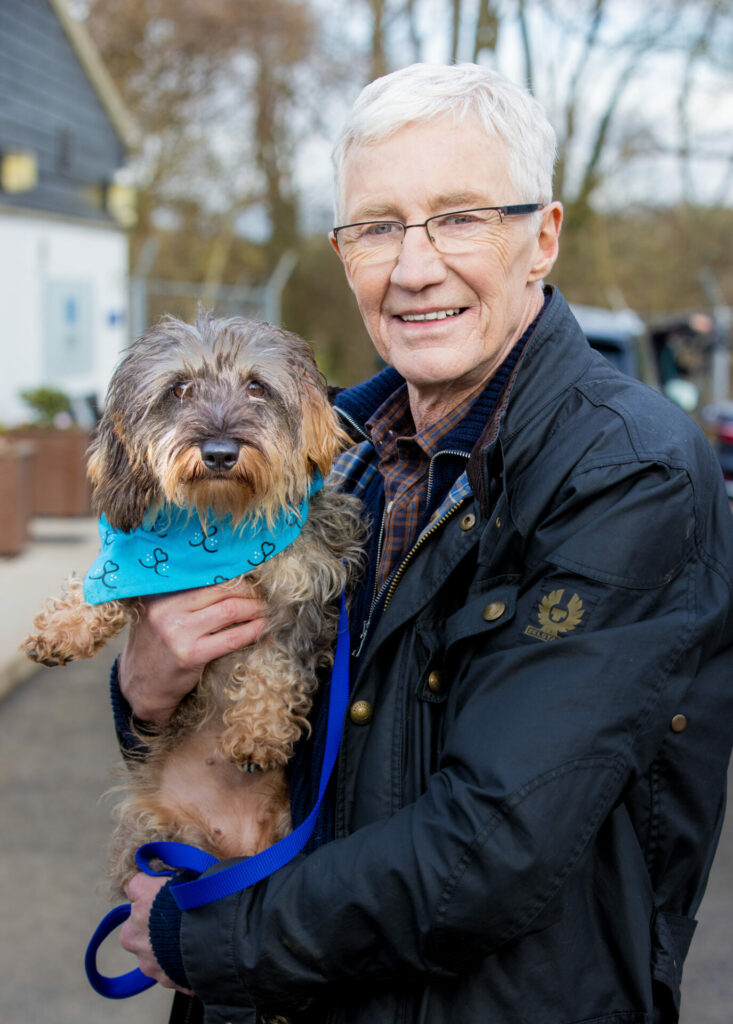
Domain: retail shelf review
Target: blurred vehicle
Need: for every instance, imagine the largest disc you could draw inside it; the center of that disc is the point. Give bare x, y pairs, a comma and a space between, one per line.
622, 337
718, 420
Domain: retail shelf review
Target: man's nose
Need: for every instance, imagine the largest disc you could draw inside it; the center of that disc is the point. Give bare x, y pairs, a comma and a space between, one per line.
419, 264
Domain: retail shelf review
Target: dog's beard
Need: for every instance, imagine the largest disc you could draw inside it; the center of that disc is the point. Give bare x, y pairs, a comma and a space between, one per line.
257, 487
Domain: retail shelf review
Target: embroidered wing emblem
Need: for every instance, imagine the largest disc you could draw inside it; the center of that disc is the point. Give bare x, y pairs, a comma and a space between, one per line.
556, 619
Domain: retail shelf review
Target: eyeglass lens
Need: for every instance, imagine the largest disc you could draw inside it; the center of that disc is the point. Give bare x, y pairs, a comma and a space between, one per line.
454, 232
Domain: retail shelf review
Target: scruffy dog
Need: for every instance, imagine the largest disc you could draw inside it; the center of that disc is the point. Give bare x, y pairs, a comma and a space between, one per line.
224, 422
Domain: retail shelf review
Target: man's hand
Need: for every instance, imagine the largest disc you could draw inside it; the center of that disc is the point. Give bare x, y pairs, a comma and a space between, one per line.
141, 890
169, 645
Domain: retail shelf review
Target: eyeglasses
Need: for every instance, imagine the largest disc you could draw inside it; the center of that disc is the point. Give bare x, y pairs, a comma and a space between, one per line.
460, 231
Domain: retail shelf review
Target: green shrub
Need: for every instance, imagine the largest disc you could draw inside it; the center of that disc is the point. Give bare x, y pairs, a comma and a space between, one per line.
46, 403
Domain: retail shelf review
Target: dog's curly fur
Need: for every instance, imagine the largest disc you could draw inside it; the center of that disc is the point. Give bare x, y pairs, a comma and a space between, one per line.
258, 386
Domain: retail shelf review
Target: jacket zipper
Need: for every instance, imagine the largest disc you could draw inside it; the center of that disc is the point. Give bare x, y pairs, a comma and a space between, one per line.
349, 419
410, 554
391, 584
446, 451
375, 594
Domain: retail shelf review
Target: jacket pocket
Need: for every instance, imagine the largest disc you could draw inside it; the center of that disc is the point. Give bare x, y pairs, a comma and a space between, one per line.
671, 937
482, 614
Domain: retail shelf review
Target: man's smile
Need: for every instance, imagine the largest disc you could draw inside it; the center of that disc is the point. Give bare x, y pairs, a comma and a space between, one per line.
437, 314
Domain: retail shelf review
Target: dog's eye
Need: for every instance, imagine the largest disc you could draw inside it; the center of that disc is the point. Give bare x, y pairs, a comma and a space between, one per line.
255, 389
182, 388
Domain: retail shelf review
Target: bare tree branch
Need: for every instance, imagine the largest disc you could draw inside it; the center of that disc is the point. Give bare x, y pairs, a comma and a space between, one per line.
589, 44
486, 35
526, 46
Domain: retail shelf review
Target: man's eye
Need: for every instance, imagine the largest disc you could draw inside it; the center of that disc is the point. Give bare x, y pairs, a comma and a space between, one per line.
380, 228
182, 389
459, 220
255, 389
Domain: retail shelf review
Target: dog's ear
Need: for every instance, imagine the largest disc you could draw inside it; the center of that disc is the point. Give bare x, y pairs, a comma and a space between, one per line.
323, 438
122, 488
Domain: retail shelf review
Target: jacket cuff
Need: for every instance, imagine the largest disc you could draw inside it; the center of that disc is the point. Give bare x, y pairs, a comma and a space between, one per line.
130, 730
164, 928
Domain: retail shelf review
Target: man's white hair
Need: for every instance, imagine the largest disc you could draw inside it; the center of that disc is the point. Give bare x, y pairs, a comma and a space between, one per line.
426, 92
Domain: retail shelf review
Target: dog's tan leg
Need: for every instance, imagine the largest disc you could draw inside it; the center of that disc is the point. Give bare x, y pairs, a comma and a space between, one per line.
268, 705
69, 628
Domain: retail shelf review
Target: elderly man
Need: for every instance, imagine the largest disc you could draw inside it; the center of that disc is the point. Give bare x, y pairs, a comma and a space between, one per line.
531, 777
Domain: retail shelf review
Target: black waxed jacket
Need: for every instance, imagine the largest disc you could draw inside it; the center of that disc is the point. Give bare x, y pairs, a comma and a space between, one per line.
526, 820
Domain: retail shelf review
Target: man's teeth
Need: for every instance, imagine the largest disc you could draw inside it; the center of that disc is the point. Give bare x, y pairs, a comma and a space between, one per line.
440, 315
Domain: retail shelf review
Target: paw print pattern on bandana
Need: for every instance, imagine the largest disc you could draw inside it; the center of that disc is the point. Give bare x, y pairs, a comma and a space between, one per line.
206, 541
138, 562
267, 550
109, 575
157, 561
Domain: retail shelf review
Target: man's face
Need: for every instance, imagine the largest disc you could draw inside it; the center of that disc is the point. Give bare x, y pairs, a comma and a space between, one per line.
490, 295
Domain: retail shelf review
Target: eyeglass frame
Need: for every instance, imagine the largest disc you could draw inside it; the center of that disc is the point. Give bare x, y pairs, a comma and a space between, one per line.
517, 209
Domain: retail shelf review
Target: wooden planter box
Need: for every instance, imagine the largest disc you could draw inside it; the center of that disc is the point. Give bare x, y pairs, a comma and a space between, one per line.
16, 486
59, 480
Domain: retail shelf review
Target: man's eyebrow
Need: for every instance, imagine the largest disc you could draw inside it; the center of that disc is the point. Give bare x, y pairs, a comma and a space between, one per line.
448, 201
381, 212
443, 203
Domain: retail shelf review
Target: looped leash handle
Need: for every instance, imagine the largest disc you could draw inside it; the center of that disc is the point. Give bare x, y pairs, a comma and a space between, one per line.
130, 984
178, 855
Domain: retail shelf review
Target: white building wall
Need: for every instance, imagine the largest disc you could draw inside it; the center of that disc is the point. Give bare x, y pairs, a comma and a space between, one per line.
41, 258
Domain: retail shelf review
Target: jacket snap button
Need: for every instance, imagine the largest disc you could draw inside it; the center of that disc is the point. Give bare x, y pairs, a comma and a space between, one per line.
494, 611
679, 723
361, 712
468, 522
435, 682
497, 522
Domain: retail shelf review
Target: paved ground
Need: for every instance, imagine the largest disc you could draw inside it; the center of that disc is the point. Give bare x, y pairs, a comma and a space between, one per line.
57, 751
58, 548
57, 754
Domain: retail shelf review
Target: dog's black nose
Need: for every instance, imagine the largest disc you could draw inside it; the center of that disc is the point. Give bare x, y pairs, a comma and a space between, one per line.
219, 453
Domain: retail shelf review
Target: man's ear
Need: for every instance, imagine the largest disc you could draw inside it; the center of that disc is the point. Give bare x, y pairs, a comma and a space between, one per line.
336, 249
547, 245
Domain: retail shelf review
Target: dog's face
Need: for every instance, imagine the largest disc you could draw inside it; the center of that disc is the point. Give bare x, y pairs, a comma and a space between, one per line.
227, 415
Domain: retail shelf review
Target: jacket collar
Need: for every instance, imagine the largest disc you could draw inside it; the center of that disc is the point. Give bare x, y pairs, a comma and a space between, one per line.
555, 358
563, 351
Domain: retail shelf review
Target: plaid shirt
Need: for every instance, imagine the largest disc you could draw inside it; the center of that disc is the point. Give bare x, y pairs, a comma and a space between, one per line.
404, 458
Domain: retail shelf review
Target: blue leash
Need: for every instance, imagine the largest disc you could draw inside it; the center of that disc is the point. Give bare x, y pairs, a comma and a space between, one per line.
180, 856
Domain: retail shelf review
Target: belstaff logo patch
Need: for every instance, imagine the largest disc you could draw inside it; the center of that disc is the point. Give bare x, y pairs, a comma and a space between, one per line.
556, 617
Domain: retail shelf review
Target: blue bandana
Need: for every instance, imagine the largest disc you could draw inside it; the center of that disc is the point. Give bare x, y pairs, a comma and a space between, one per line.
175, 553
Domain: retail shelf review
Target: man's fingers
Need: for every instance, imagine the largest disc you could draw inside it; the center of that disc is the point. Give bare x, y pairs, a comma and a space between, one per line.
196, 598
215, 645
229, 612
141, 890
178, 634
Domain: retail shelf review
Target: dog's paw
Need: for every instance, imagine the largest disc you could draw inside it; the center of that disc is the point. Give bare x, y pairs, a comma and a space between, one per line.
37, 650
